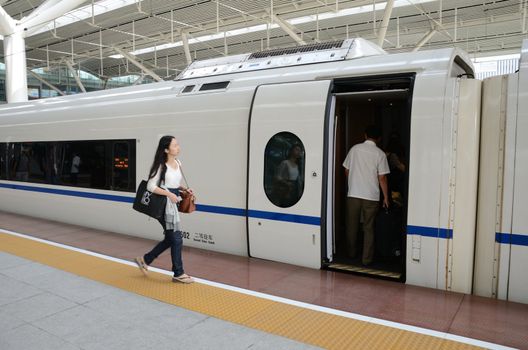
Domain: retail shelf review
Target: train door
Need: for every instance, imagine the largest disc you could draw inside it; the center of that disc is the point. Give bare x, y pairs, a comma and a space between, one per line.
359, 102
285, 169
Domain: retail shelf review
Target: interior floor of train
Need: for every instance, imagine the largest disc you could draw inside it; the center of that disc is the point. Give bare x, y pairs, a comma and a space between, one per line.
322, 293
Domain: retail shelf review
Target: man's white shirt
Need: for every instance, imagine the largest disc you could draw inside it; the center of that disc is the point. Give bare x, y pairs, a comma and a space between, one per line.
365, 161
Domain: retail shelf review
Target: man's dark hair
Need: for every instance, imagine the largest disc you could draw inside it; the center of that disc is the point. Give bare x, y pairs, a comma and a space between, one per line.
373, 132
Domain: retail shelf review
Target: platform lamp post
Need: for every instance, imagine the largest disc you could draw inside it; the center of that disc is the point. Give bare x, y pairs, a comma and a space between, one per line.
15, 32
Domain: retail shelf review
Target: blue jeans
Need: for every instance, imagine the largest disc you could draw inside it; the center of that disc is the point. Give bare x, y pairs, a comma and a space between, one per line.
172, 240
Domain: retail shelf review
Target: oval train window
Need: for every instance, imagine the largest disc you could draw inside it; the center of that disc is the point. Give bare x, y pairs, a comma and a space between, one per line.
284, 169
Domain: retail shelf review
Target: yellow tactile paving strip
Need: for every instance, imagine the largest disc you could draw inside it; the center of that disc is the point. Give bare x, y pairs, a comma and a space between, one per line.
304, 325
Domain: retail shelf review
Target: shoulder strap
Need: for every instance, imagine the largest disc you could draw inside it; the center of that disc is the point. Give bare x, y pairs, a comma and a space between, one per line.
183, 174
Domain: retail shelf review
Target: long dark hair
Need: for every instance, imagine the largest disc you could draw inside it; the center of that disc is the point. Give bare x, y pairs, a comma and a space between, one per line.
160, 158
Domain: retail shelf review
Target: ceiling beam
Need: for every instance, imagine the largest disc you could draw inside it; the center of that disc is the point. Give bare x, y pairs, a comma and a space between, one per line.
138, 64
424, 40
385, 22
139, 80
185, 41
288, 28
75, 75
47, 12
45, 82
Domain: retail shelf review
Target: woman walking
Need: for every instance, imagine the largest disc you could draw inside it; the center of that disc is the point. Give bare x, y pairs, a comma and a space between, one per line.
164, 179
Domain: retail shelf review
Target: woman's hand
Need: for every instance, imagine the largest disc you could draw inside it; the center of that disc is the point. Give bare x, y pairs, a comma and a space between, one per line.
173, 198
187, 190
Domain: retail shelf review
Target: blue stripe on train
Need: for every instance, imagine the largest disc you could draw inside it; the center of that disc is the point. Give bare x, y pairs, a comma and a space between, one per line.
430, 231
107, 197
300, 219
514, 239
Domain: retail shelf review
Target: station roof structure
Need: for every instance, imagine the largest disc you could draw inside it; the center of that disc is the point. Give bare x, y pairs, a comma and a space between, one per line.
159, 38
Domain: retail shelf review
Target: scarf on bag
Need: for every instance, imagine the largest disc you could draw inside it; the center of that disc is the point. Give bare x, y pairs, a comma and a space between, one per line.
172, 216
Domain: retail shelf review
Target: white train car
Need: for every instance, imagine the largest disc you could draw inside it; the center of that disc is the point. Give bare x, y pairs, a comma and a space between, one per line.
237, 119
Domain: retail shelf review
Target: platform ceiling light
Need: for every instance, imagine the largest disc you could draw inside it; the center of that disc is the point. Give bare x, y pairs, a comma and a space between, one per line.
292, 21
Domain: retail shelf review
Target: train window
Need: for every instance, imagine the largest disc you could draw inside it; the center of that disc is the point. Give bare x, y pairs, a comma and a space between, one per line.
19, 161
123, 175
284, 160
188, 88
214, 86
83, 164
37, 170
3, 161
100, 164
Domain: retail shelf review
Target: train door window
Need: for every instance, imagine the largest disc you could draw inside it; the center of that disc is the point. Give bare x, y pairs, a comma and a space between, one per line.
123, 174
284, 159
3, 161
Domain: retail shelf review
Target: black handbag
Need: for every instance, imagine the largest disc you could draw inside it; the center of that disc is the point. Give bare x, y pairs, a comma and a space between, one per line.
149, 203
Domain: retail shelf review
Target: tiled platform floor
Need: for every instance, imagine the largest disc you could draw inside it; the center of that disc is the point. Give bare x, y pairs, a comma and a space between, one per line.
45, 308
476, 317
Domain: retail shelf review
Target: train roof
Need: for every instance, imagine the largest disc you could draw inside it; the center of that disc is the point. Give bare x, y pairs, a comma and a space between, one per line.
355, 57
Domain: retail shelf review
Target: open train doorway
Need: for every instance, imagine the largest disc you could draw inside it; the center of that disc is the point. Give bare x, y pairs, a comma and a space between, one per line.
385, 102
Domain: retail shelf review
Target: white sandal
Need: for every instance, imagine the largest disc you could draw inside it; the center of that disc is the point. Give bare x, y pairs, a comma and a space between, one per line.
143, 267
183, 279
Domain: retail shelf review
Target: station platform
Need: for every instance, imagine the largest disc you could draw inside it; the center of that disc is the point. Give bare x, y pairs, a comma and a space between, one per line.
258, 304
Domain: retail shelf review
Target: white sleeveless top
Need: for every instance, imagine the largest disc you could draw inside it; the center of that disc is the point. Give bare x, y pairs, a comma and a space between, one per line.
173, 179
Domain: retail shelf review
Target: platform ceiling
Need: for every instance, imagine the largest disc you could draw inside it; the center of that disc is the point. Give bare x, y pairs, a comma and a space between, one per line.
97, 28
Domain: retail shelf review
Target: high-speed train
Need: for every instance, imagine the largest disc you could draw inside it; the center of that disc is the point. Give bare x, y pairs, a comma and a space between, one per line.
244, 119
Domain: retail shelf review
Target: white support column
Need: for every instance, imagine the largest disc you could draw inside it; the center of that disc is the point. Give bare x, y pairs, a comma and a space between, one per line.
138, 64
15, 31
76, 76
7, 24
45, 82
288, 28
385, 22
15, 62
185, 41
424, 40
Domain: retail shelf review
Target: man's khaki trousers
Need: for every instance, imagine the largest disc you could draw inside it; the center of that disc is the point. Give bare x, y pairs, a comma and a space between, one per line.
357, 208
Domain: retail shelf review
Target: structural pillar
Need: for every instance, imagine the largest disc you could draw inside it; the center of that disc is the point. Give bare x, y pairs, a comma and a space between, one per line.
15, 62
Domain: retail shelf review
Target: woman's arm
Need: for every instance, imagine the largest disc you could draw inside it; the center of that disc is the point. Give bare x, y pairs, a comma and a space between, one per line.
152, 186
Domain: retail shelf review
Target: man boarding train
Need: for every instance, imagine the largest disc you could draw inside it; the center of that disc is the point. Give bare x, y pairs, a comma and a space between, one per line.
366, 170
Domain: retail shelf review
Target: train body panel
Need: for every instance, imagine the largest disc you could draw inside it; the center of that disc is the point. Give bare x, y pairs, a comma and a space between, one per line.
502, 242
505, 204
491, 181
465, 183
431, 127
280, 112
518, 278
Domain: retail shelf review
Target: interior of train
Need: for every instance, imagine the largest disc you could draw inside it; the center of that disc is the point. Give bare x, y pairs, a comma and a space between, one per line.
386, 103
